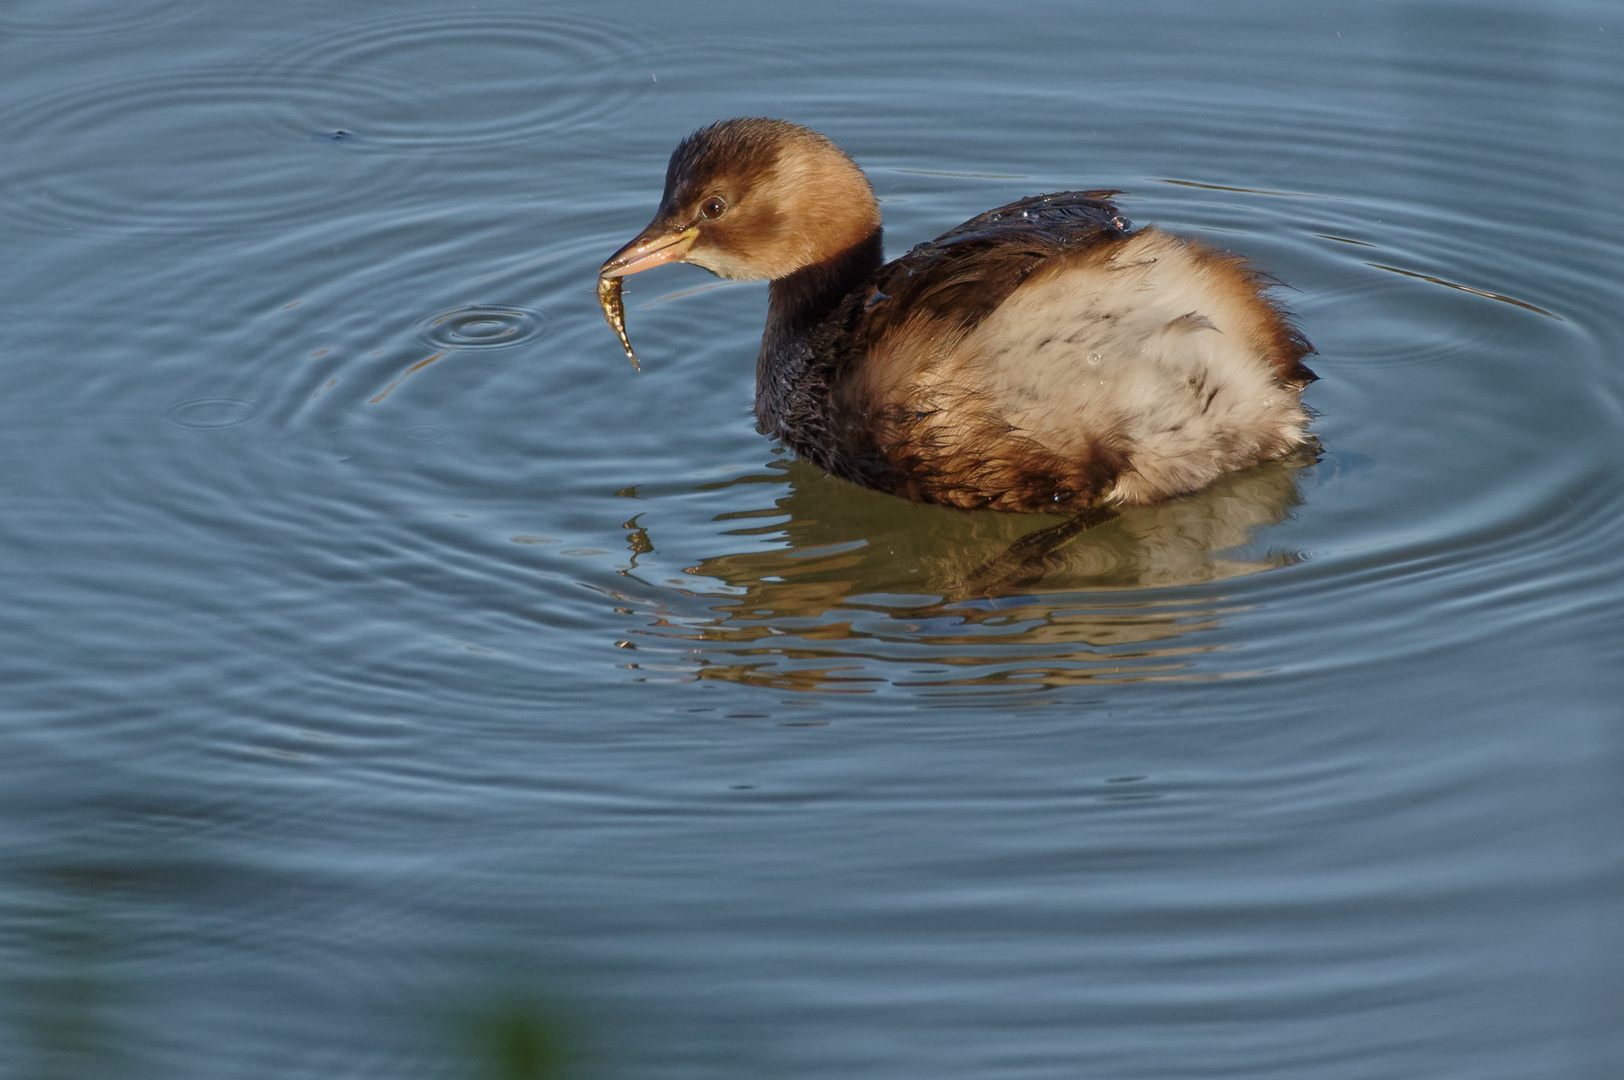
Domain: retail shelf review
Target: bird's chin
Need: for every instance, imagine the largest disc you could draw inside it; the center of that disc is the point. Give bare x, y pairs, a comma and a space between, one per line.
723, 265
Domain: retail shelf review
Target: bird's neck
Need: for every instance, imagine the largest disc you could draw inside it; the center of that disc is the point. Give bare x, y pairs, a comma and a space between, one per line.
802, 300
801, 343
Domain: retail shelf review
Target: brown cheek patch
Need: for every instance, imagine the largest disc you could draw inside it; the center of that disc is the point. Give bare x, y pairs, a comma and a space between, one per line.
754, 241
760, 234
834, 206
796, 199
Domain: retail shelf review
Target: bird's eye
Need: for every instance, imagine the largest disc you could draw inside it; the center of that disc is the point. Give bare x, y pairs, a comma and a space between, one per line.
713, 207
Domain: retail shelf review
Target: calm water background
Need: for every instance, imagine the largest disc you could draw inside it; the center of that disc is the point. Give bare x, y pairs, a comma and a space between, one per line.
395, 684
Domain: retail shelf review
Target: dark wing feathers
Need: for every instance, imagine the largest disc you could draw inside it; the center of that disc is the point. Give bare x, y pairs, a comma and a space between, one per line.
1062, 218
963, 275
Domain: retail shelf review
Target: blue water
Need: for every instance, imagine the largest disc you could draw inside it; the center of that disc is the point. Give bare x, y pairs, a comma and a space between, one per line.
396, 684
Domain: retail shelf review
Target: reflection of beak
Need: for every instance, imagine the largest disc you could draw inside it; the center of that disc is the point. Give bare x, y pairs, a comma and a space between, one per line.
651, 248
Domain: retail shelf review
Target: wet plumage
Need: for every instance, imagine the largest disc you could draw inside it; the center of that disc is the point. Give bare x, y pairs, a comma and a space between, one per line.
1041, 356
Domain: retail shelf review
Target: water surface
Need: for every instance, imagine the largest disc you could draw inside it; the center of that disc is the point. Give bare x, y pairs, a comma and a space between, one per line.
397, 684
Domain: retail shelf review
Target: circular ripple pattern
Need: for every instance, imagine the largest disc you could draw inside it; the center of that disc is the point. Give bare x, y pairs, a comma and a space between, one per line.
479, 80
210, 413
51, 18
191, 150
482, 327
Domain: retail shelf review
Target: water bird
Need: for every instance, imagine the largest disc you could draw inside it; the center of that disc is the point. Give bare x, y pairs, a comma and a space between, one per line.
1041, 357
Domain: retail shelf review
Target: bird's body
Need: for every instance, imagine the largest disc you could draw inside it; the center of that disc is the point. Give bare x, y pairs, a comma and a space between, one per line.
1039, 357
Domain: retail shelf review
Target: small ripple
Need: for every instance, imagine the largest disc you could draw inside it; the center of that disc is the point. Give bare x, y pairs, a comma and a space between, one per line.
960, 175
1467, 289
1239, 190
477, 326
1435, 277
190, 150
1344, 240
476, 79
214, 412
1418, 328
58, 18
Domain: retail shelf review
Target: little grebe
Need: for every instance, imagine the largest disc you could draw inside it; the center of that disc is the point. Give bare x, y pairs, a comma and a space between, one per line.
1039, 357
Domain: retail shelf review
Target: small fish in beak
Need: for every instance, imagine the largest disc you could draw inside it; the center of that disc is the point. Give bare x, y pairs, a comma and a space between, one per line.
615, 312
652, 247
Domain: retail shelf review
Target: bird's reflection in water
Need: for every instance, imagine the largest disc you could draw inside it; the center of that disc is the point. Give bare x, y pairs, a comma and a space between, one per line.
872, 591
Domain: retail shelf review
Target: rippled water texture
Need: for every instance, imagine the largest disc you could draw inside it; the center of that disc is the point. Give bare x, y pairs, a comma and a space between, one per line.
397, 684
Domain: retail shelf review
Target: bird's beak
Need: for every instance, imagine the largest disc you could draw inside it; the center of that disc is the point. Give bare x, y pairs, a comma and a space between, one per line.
653, 246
